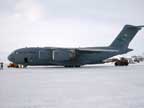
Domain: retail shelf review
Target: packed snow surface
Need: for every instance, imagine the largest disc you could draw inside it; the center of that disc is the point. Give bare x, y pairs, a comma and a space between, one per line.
100, 86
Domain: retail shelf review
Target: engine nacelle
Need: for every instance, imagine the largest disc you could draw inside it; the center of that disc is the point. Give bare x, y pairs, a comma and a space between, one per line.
63, 55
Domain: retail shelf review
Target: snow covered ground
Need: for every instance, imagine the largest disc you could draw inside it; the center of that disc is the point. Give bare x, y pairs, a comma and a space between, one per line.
100, 86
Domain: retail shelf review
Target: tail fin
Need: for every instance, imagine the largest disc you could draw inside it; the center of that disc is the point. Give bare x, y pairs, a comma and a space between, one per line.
125, 36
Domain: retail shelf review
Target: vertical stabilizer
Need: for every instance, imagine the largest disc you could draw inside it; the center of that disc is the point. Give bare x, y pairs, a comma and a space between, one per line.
125, 36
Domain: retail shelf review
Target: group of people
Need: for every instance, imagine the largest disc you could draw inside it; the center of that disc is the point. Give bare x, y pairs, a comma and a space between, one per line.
1, 65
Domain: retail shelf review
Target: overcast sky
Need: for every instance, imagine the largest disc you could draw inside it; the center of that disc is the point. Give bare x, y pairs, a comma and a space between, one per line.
67, 23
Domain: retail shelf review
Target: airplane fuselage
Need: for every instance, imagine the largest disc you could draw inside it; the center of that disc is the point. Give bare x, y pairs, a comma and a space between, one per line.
62, 56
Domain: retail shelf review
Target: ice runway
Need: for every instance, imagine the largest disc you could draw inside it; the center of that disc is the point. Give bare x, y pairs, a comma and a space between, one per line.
100, 86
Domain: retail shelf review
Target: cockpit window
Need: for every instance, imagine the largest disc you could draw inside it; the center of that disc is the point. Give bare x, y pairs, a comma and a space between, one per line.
16, 52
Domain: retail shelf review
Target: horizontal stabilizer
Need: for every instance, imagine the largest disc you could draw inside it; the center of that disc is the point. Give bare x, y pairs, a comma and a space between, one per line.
140, 26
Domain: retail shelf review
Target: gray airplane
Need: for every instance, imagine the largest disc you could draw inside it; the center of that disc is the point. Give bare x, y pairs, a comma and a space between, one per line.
75, 57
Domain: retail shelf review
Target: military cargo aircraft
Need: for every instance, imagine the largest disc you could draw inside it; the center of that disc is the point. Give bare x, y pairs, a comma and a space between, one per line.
75, 57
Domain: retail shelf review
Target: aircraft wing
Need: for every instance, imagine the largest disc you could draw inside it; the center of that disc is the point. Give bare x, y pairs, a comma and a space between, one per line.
96, 50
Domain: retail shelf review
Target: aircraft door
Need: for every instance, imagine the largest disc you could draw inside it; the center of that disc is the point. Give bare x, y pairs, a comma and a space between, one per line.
26, 60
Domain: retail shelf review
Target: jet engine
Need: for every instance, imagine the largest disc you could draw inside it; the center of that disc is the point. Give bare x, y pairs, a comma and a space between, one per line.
63, 55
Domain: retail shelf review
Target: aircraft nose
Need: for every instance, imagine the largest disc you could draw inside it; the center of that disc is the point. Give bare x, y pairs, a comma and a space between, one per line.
11, 58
